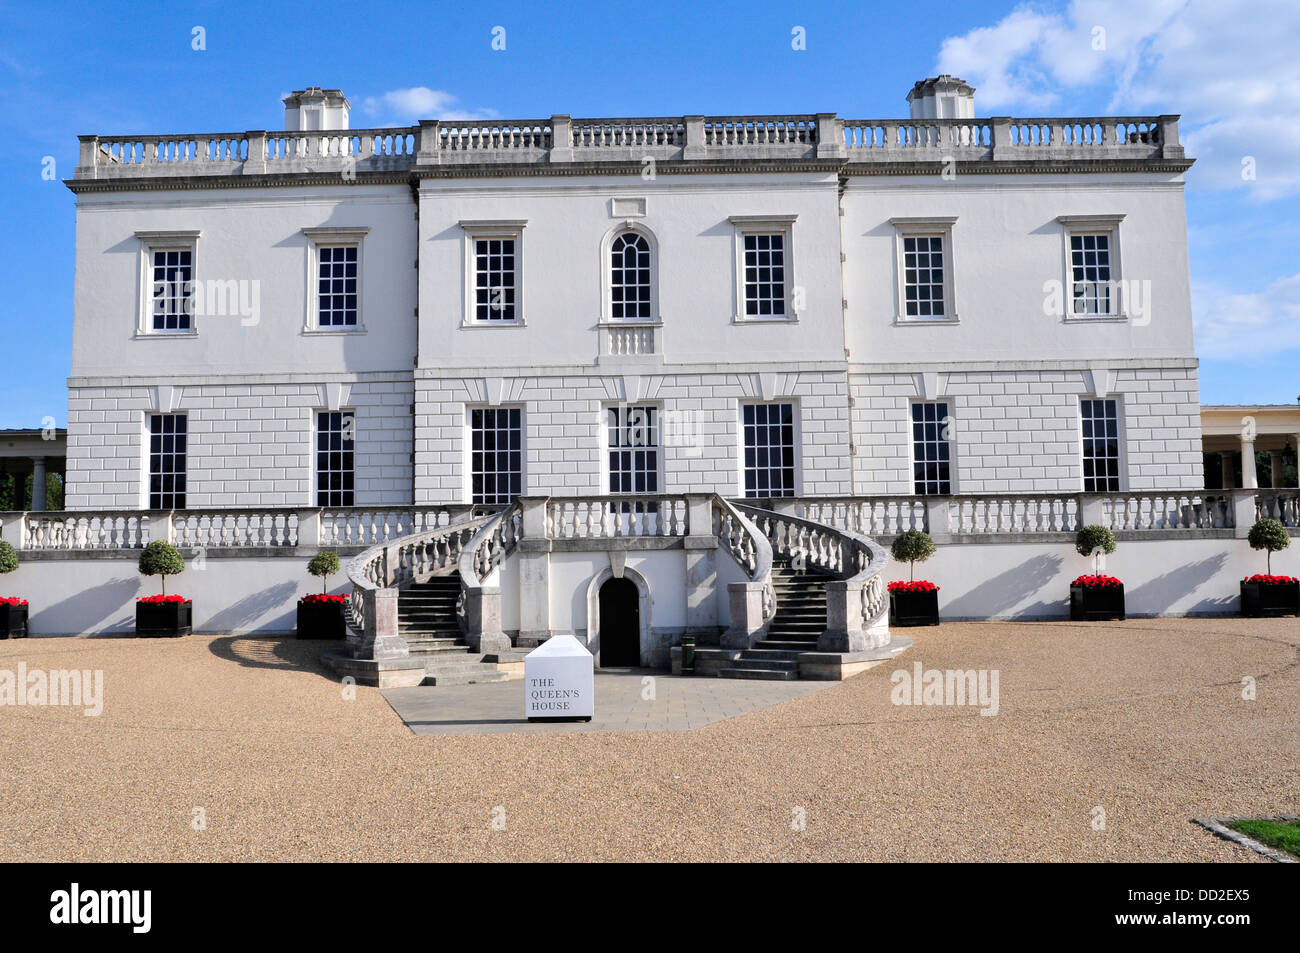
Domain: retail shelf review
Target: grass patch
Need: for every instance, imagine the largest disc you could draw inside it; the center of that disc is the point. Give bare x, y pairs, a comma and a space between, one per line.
1280, 835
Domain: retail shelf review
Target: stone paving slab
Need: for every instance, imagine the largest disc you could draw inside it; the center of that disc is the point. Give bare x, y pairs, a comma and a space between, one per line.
680, 703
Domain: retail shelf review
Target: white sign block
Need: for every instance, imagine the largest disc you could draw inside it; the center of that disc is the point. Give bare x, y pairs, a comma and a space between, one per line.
559, 680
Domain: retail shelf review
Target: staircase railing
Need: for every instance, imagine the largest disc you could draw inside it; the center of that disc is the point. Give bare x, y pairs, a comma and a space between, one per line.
479, 607
378, 573
857, 604
752, 603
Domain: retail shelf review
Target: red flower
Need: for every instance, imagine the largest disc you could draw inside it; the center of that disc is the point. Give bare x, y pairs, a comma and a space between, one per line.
318, 598
12, 601
920, 585
1097, 582
1266, 580
160, 600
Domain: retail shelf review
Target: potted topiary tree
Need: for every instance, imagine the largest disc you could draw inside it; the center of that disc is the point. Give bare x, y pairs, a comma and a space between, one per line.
13, 610
1096, 596
1268, 595
162, 615
321, 615
915, 602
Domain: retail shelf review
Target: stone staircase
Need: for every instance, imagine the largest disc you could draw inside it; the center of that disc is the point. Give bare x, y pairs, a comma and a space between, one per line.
426, 618
799, 621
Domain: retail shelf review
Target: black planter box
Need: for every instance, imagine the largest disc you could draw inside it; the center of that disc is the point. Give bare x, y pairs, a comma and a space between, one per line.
1261, 600
322, 620
13, 622
914, 608
1092, 603
163, 618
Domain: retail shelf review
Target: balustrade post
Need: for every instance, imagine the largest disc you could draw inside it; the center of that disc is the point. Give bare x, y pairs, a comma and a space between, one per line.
830, 137
561, 138
1243, 512
701, 568
694, 145
747, 624
13, 529
1090, 510
1000, 137
427, 143
936, 519
255, 162
1170, 147
309, 527
843, 618
382, 638
534, 576
483, 621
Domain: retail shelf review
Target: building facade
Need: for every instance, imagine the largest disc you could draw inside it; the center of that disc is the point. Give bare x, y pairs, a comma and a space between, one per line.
753, 306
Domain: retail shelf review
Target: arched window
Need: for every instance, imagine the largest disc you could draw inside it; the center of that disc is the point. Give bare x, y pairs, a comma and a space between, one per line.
630, 279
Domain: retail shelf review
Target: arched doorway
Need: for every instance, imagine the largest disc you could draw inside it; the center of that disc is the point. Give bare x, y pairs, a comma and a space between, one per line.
620, 624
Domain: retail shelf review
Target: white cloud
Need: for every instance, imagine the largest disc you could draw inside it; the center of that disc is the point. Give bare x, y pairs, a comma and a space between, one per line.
405, 106
1247, 327
1230, 68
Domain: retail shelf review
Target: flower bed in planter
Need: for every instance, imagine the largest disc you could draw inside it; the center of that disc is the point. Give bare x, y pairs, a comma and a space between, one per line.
13, 618
163, 616
913, 603
322, 617
1095, 597
1264, 596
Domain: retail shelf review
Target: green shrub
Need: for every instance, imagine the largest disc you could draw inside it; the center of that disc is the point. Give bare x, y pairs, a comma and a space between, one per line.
161, 559
912, 547
1271, 536
324, 564
8, 558
1093, 541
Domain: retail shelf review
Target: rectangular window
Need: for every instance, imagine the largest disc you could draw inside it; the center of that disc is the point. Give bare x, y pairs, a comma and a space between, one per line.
496, 463
173, 288
633, 450
1100, 421
923, 276
765, 275
167, 433
931, 449
336, 289
769, 448
494, 279
1090, 286
335, 458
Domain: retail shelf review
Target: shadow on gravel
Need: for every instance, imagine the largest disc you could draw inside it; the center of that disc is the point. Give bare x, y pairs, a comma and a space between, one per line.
259, 651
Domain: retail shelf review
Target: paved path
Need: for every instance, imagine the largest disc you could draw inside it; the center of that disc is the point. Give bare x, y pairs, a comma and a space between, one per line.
626, 700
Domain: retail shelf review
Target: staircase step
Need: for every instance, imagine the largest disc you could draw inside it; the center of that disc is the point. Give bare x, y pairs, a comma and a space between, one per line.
479, 679
786, 645
767, 665
764, 674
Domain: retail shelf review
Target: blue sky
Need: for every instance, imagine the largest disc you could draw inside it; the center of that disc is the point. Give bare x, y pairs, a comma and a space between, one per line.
1232, 69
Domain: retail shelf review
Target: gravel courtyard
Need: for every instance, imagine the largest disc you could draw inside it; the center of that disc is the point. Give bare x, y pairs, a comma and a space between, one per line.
1143, 719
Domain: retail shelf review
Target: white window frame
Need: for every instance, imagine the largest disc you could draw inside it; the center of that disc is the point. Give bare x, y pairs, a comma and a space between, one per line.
164, 241
745, 225
911, 447
796, 419
605, 448
1109, 225
1119, 437
332, 236
467, 456
347, 413
606, 277
912, 227
480, 229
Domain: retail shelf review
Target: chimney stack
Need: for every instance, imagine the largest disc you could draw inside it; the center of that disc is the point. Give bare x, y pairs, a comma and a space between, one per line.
942, 97
314, 108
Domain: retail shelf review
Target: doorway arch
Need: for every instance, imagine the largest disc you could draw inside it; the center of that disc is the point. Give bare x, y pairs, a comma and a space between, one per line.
638, 623
620, 623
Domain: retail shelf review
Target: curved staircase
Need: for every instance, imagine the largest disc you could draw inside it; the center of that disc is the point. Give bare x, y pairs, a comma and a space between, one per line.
426, 619
798, 623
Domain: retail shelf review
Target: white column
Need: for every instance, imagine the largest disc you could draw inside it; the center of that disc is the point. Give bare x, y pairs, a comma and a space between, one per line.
1249, 479
1225, 463
1295, 442
38, 484
1275, 468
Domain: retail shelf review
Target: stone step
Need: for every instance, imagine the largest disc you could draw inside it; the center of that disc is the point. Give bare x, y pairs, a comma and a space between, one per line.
482, 678
787, 645
774, 655
765, 674
772, 665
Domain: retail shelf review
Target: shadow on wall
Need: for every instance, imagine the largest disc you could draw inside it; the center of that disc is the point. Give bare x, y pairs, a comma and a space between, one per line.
1160, 594
1005, 591
242, 615
83, 613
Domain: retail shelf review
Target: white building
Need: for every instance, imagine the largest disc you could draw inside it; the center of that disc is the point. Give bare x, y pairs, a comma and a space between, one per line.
766, 306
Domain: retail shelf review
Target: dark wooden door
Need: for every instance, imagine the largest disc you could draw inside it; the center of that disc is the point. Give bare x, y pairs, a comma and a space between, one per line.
620, 624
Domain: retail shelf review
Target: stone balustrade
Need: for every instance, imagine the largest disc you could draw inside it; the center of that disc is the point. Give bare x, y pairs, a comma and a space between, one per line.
678, 138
